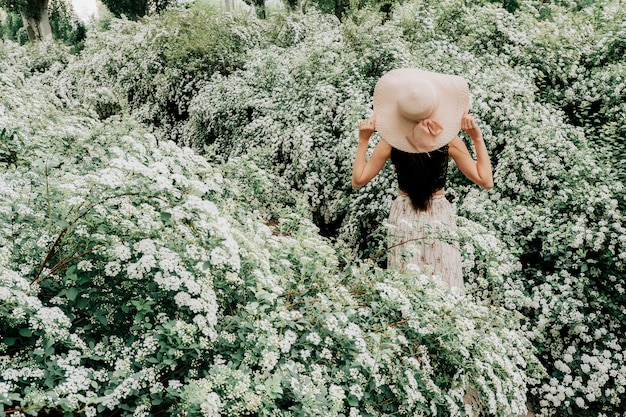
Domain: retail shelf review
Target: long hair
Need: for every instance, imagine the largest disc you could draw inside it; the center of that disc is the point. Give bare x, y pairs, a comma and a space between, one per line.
421, 174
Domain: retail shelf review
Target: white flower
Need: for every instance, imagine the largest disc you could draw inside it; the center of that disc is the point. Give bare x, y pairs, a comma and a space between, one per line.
210, 407
113, 268
122, 252
314, 338
174, 384
357, 391
288, 339
146, 246
336, 393
85, 266
5, 389
326, 354
270, 359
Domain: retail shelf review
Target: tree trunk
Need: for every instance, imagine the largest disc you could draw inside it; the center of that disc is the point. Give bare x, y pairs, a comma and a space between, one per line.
229, 5
38, 24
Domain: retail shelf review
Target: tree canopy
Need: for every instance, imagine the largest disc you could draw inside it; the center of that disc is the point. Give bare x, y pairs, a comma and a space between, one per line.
134, 9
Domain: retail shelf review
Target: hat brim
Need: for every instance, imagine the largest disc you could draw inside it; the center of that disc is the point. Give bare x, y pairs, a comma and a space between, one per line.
453, 95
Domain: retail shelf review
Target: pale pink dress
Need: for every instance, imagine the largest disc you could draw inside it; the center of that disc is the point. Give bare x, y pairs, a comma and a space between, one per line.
425, 238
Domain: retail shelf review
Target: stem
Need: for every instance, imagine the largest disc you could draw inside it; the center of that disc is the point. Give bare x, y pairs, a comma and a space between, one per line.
48, 256
57, 242
380, 252
47, 187
65, 262
392, 325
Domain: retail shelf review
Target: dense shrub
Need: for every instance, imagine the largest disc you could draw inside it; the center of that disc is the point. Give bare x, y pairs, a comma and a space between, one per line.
138, 278
66, 26
12, 27
578, 61
555, 202
281, 98
154, 68
301, 100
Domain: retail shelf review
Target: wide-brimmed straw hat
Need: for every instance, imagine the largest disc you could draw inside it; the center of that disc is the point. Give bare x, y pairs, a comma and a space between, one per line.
419, 111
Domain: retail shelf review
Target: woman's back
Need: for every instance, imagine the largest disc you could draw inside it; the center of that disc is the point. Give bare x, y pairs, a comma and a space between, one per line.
420, 175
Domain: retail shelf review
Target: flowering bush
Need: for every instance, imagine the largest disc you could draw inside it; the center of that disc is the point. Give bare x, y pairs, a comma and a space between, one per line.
554, 205
275, 110
154, 68
578, 62
301, 99
138, 278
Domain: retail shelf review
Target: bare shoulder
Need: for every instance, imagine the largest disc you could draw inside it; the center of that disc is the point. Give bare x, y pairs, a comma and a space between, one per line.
383, 148
457, 148
456, 144
384, 144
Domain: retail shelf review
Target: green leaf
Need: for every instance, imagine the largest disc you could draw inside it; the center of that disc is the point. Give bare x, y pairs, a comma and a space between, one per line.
72, 293
71, 272
26, 332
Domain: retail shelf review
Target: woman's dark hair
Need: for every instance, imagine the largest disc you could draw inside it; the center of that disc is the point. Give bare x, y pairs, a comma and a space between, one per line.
421, 174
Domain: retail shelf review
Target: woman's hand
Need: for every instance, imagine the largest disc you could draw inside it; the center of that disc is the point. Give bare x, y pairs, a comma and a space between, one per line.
366, 128
478, 171
362, 170
469, 125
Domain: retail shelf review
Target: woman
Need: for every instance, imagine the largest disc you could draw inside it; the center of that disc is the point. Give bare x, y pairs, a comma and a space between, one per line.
418, 115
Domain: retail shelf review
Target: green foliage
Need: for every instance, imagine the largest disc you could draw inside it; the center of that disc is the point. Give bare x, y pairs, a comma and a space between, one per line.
134, 9
66, 26
300, 98
30, 8
12, 28
344, 9
258, 6
47, 57
578, 57
155, 68
555, 201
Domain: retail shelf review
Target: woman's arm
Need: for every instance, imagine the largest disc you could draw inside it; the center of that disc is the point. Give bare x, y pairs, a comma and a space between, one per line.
478, 171
363, 171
